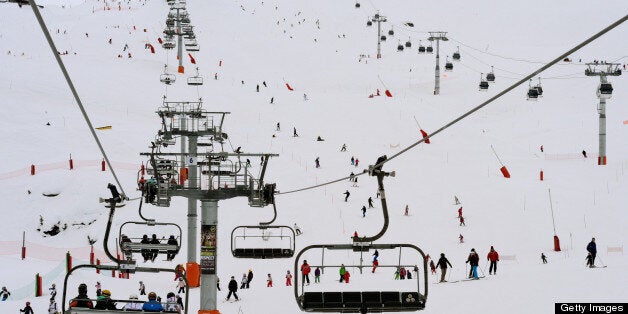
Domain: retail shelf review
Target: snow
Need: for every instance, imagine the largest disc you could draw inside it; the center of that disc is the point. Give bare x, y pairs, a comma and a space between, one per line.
513, 215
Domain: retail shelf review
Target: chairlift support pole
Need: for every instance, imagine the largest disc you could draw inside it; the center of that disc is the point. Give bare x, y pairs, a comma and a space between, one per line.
209, 219
612, 69
192, 202
437, 36
379, 19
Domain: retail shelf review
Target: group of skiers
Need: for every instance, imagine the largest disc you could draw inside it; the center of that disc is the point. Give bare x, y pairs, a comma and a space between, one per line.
174, 303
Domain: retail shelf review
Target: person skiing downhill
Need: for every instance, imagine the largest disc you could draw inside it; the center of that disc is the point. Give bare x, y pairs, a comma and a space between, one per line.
288, 279
543, 259
473, 260
53, 291
269, 281
233, 288
370, 201
52, 307
4, 293
346, 195
442, 264
305, 272
590, 260
317, 275
493, 257
181, 285
363, 211
27, 309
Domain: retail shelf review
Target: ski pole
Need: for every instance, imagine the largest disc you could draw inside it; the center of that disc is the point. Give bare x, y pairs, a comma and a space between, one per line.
481, 270
449, 276
465, 270
600, 258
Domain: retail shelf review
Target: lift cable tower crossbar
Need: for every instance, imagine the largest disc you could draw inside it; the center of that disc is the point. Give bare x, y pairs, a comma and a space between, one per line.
604, 92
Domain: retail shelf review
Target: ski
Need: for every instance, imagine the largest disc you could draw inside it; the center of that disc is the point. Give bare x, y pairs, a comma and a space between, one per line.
470, 279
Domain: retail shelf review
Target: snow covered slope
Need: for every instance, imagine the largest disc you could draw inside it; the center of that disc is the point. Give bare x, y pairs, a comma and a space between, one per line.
315, 46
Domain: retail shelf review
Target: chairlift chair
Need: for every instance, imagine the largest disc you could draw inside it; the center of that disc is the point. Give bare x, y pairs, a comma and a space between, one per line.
192, 48
490, 76
190, 42
369, 23
168, 44
539, 88
352, 301
456, 54
170, 31
195, 80
421, 48
170, 22
448, 65
167, 78
239, 237
185, 20
383, 38
483, 82
391, 32
533, 94
408, 43
357, 5
429, 49
399, 46
131, 244
605, 90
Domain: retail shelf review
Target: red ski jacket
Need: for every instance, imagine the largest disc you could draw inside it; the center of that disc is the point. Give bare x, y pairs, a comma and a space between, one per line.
493, 256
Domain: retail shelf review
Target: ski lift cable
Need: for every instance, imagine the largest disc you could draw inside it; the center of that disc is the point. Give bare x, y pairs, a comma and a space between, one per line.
482, 105
53, 48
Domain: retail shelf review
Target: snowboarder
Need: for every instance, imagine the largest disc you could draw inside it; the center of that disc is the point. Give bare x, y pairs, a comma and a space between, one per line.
370, 201
363, 211
493, 257
442, 264
249, 277
473, 260
294, 134
317, 275
346, 195
233, 288
433, 267
543, 258
584, 153
462, 221
317, 162
305, 272
342, 272
27, 309
343, 148
4, 293
181, 285
288, 279
52, 307
243, 281
53, 291
269, 281
592, 248
297, 229
590, 260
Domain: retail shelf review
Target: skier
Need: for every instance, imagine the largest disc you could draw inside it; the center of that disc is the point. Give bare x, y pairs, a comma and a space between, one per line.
304, 97
459, 212
218, 283
473, 259
53, 291
264, 83
320, 139
98, 289
257, 88
357, 161
407, 211
243, 281
81, 300
591, 248
346, 195
402, 273
172, 253
249, 277
442, 264
370, 201
278, 127
397, 271
145, 253
343, 148
288, 279
52, 307
543, 259
171, 303
375, 264
462, 221
317, 275
27, 309
456, 201
179, 271
317, 161
294, 134
584, 153
104, 301
493, 257
461, 238
269, 281
181, 285
272, 100
363, 211
342, 272
541, 148
352, 160
590, 259
152, 305
233, 288
297, 229
433, 267
154, 252
346, 276
355, 235
305, 272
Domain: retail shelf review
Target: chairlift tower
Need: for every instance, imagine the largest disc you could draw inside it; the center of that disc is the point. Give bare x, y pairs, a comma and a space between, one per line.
604, 92
206, 173
179, 7
379, 19
437, 36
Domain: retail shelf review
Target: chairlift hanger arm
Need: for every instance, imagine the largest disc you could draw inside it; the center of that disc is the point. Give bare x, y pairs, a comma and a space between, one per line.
112, 209
274, 217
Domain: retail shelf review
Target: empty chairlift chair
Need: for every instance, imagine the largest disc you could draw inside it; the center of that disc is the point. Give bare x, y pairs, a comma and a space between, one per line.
483, 82
351, 301
260, 242
195, 80
448, 65
167, 78
456, 55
